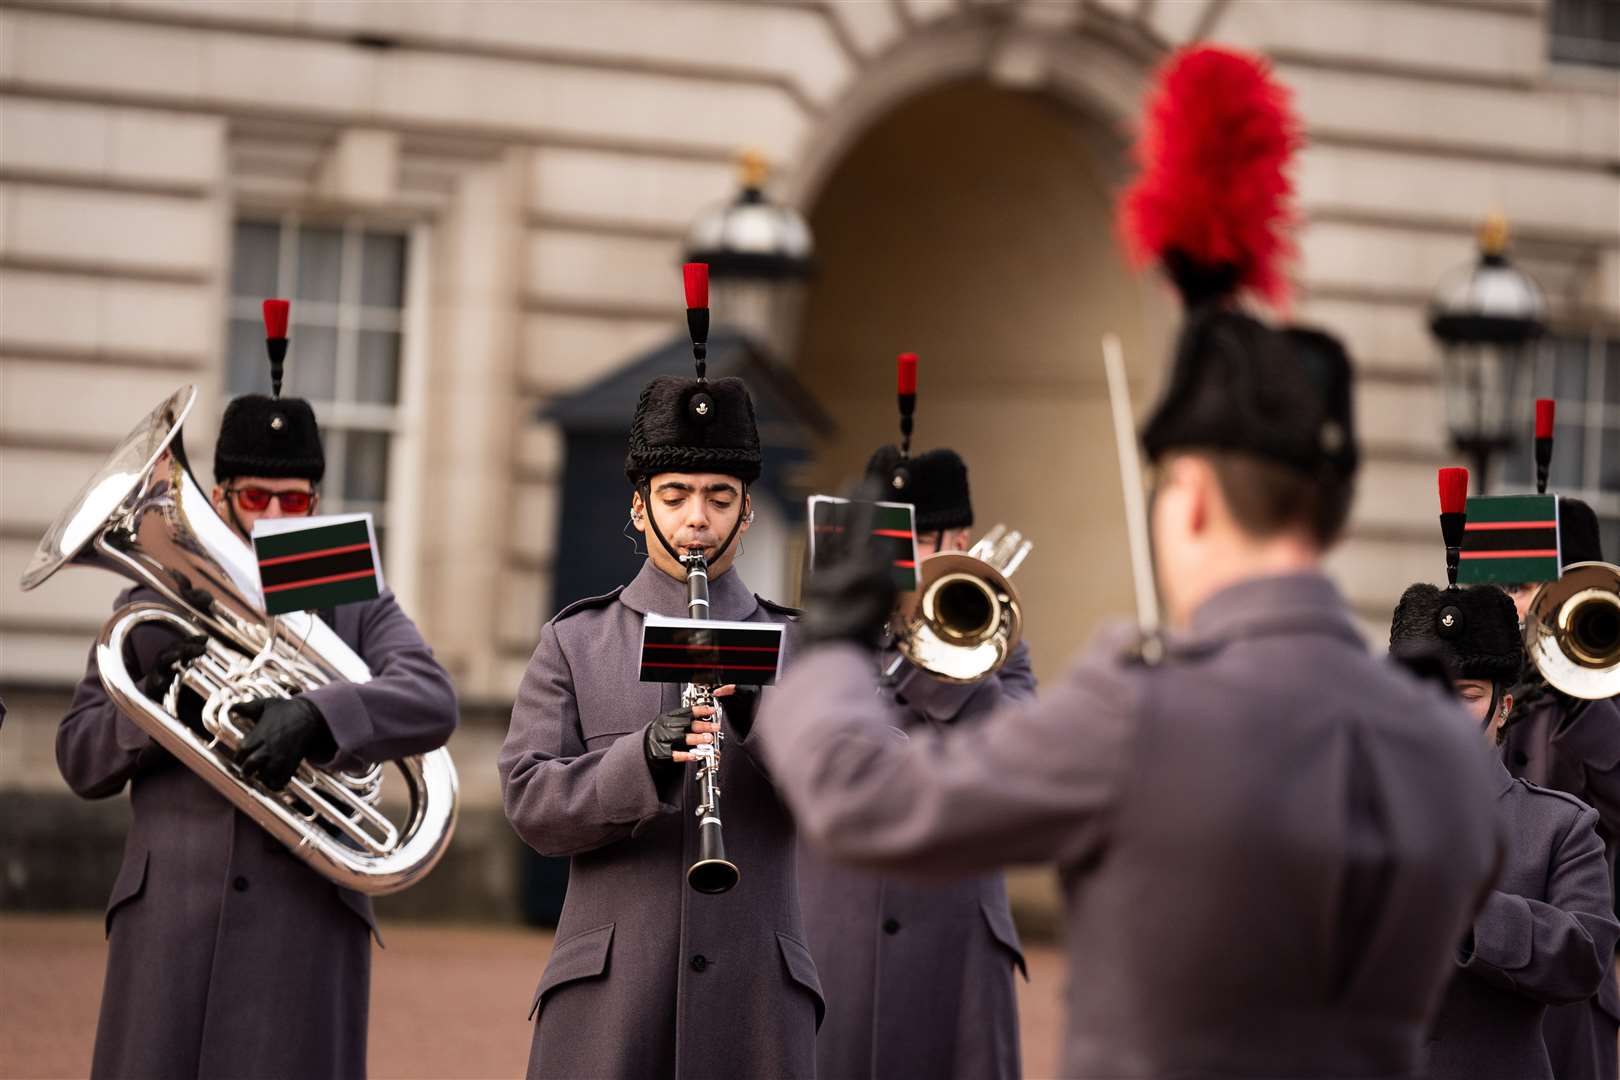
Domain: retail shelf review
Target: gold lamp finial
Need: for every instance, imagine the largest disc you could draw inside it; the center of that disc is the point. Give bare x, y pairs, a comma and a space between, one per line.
753, 167
1493, 233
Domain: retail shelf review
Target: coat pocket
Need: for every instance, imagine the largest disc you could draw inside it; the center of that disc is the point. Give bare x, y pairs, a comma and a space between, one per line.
582, 956
361, 906
801, 968
131, 882
999, 919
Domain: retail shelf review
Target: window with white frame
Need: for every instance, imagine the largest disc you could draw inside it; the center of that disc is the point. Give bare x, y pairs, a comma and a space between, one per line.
1581, 371
347, 285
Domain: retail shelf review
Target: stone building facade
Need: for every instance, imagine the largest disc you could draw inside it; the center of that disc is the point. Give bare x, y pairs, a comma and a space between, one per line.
479, 206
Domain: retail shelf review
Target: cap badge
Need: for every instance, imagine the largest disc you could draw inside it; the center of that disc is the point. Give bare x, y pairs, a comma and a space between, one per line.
278, 422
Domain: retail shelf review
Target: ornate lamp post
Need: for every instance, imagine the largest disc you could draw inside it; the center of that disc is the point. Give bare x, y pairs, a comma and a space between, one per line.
759, 256
1487, 317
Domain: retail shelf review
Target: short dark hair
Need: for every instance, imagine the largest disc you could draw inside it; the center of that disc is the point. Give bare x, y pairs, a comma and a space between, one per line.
1268, 497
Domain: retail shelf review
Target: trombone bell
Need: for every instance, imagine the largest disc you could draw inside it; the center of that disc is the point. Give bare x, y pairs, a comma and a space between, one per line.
1572, 631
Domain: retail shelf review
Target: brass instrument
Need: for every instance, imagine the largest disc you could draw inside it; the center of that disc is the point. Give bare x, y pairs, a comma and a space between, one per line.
1572, 631
965, 618
143, 515
713, 872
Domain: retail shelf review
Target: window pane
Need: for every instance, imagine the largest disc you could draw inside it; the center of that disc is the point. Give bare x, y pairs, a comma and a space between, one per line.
311, 363
1569, 453
320, 264
1608, 478
365, 467
247, 366
382, 277
1611, 375
1569, 384
378, 378
254, 261
1609, 533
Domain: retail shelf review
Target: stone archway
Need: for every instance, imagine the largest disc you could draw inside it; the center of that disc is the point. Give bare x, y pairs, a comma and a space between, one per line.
973, 225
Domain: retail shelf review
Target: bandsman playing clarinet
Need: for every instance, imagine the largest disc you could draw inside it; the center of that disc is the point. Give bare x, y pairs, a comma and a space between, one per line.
648, 977
919, 975
1270, 840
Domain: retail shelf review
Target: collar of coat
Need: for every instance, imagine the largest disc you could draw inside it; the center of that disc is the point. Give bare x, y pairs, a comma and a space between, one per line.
654, 592
1264, 606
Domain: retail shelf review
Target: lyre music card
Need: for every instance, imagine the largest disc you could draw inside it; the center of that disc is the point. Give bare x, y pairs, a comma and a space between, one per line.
317, 562
894, 531
710, 652
1510, 540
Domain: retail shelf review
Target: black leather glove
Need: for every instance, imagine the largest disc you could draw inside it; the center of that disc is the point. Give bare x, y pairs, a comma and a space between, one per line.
285, 732
851, 597
155, 683
666, 735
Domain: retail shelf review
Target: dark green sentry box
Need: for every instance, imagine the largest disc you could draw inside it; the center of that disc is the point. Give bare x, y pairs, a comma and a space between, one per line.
1510, 540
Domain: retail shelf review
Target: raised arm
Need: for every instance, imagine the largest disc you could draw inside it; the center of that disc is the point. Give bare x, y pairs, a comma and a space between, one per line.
560, 798
1559, 950
408, 707
1035, 781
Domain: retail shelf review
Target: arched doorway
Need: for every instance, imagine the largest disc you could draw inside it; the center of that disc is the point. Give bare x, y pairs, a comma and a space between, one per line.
973, 225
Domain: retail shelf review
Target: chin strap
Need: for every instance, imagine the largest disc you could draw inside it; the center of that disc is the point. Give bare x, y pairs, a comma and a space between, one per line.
646, 500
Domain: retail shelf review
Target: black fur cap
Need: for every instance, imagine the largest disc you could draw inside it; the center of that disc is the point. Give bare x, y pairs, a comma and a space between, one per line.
1237, 384
269, 437
936, 486
1578, 535
683, 425
1477, 628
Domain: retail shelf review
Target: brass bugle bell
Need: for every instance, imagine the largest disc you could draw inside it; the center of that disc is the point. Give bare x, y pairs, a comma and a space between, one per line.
1572, 631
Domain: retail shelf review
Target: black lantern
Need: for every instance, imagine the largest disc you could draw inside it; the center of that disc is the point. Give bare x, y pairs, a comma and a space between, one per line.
1488, 318
759, 256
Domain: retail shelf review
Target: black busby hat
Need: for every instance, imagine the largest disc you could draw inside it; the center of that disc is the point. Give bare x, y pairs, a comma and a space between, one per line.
936, 487
270, 436
1476, 628
693, 425
1211, 207
1579, 538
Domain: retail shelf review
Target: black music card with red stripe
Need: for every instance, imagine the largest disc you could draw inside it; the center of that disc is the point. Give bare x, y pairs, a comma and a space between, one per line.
894, 531
1510, 540
318, 562
710, 652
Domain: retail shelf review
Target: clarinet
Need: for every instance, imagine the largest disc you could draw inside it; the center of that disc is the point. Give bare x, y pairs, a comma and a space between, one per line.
713, 872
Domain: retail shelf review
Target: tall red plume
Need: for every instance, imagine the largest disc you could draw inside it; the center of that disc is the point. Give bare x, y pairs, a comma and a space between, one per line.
1546, 409
1453, 490
1213, 150
697, 284
906, 373
275, 318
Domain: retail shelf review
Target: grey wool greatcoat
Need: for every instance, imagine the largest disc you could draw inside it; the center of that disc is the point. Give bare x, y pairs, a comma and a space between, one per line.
1270, 843
1544, 937
918, 975
649, 978
227, 956
1578, 752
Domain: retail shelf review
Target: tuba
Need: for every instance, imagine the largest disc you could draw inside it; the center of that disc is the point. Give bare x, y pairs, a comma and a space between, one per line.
143, 515
965, 617
1572, 631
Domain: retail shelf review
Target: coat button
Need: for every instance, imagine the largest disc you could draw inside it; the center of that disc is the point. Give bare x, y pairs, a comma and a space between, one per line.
240, 884
890, 926
699, 962
1520, 758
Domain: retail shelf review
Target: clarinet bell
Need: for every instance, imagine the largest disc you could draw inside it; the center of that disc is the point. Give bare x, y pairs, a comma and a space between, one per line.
713, 873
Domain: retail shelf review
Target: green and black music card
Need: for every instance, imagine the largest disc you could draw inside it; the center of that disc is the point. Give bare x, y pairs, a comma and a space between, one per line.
894, 532
317, 562
710, 652
1510, 540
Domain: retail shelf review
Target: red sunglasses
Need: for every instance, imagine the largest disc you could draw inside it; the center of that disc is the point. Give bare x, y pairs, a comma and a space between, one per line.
258, 499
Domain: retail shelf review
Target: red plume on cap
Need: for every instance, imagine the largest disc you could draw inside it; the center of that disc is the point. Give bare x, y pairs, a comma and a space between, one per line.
275, 318
906, 373
697, 284
1212, 192
1453, 490
1546, 410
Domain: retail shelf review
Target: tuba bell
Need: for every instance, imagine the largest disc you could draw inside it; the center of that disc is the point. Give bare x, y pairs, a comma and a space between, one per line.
143, 516
1572, 631
965, 618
